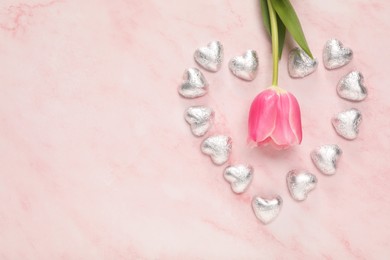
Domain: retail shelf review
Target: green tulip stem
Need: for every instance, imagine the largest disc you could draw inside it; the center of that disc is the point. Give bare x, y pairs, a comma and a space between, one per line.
275, 43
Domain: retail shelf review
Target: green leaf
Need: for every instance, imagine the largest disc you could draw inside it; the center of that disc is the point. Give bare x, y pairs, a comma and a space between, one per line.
281, 35
267, 25
265, 15
290, 19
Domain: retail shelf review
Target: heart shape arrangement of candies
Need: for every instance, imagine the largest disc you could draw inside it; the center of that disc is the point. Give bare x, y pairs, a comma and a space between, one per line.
300, 182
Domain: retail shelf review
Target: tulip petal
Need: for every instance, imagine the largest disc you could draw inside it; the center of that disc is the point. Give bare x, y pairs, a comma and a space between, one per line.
283, 134
295, 118
262, 115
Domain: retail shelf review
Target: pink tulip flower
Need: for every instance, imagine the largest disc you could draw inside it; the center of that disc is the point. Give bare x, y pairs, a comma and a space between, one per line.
275, 118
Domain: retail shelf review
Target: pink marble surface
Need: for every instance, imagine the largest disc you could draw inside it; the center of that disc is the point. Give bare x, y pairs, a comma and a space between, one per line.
96, 161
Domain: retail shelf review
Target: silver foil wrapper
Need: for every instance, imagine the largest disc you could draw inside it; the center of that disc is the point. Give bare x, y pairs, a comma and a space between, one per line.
210, 57
266, 210
194, 84
218, 147
351, 87
239, 177
326, 157
245, 66
199, 118
346, 123
300, 183
300, 64
335, 55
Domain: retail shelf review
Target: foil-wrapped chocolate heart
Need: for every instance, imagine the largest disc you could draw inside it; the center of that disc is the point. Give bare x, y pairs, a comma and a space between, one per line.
300, 183
199, 118
335, 55
351, 87
239, 177
326, 157
194, 84
346, 123
300, 64
210, 57
245, 66
218, 147
266, 210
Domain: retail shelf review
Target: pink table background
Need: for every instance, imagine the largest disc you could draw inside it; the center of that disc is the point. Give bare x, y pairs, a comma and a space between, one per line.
96, 161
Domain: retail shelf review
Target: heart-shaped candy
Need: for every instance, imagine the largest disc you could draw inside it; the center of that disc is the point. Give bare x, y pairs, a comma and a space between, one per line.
245, 66
218, 147
210, 57
199, 118
335, 55
325, 158
194, 84
300, 64
346, 123
267, 210
300, 183
351, 87
239, 177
